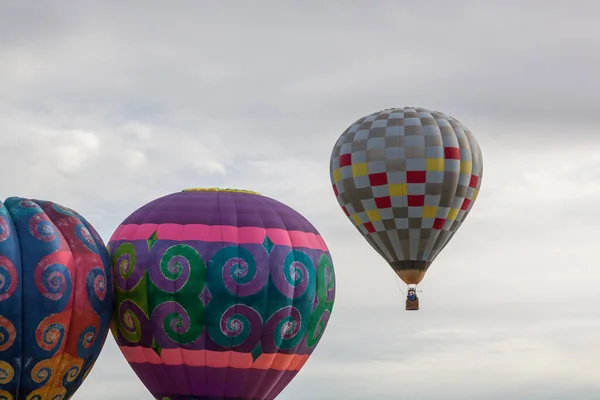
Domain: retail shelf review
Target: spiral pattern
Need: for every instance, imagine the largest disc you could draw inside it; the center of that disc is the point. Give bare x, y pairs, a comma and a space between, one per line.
175, 267
42, 371
239, 328
52, 277
86, 340
9, 278
42, 228
64, 210
95, 283
175, 323
85, 237
4, 395
4, 229
287, 330
240, 272
130, 325
50, 335
124, 261
7, 373
71, 374
27, 204
8, 334
296, 270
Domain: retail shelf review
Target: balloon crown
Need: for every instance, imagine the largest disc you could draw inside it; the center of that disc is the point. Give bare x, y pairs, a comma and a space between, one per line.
221, 190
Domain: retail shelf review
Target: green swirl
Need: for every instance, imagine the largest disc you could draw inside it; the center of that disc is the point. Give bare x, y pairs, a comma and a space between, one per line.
315, 322
124, 248
188, 296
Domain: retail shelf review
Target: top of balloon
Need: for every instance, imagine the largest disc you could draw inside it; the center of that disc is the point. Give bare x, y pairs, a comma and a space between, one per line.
221, 190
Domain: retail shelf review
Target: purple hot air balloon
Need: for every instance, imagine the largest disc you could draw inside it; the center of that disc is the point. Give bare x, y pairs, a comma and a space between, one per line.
220, 294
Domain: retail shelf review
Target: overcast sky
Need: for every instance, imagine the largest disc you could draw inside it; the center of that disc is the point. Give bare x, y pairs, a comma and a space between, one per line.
105, 106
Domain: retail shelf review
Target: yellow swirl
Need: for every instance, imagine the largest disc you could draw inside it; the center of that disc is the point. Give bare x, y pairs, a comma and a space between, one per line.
221, 190
43, 370
70, 367
7, 373
4, 395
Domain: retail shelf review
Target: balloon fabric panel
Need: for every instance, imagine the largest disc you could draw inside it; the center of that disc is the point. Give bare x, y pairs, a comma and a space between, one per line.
407, 178
219, 295
55, 299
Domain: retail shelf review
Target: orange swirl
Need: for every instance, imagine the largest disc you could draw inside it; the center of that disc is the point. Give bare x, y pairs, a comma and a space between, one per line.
8, 334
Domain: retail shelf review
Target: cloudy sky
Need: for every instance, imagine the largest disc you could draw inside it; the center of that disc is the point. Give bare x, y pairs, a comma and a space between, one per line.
105, 106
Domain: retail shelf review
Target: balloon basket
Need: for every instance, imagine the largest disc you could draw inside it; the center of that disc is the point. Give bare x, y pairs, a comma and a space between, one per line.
412, 305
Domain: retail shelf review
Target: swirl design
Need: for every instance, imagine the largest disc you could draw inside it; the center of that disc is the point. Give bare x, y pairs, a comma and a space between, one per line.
7, 373
175, 322
59, 318
320, 316
297, 266
50, 335
63, 210
240, 274
240, 328
8, 334
42, 228
95, 283
52, 277
4, 229
42, 371
9, 278
85, 237
287, 330
130, 325
124, 259
175, 267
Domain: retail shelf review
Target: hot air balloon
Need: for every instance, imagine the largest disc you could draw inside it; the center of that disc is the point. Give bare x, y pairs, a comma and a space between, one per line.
220, 294
56, 299
407, 178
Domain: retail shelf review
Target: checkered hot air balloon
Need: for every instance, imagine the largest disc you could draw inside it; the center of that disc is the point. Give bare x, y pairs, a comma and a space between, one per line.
407, 178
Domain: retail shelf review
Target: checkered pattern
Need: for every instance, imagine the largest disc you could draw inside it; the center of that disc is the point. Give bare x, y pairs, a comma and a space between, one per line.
407, 178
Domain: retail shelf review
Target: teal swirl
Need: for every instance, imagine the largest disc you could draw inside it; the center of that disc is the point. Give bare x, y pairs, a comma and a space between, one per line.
298, 270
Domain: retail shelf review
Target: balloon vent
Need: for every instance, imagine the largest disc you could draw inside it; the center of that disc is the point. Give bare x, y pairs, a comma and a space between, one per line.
221, 190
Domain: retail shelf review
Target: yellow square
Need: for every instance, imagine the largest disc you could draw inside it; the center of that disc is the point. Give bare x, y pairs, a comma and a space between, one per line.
397, 189
429, 211
475, 193
373, 215
360, 169
356, 219
466, 167
337, 175
452, 214
434, 164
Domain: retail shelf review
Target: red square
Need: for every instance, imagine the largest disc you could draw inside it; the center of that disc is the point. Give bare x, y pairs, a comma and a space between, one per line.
416, 176
335, 191
383, 202
378, 179
345, 211
369, 226
416, 200
474, 181
439, 223
452, 153
465, 204
345, 160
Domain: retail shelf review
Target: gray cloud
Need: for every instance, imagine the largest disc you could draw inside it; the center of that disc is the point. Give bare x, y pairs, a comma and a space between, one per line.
104, 106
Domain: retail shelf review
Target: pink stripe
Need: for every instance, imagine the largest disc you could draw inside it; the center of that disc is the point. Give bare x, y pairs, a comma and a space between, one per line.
214, 359
220, 233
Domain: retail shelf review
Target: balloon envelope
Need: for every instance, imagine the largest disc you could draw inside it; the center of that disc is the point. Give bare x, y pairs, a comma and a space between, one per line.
55, 299
220, 294
407, 178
